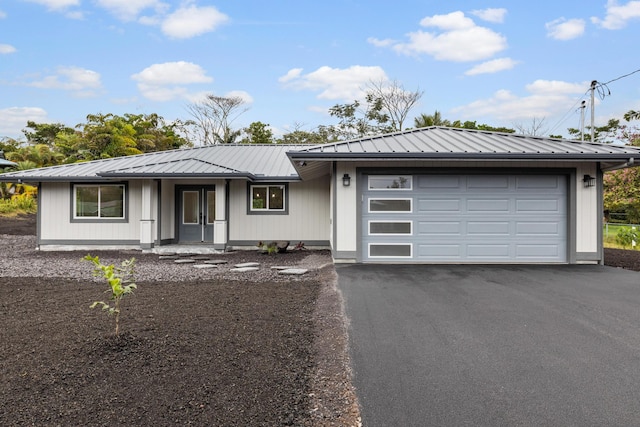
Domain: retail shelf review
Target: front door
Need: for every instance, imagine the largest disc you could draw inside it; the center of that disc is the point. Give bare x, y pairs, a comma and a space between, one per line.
196, 213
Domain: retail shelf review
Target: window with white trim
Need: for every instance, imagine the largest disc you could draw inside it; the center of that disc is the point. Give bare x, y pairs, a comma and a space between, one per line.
268, 198
99, 201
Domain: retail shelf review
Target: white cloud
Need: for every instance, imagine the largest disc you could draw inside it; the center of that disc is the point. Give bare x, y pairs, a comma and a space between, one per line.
491, 14
563, 29
456, 38
14, 119
545, 98
292, 74
169, 80
617, 15
56, 4
334, 83
128, 10
492, 66
192, 21
80, 81
381, 43
6, 48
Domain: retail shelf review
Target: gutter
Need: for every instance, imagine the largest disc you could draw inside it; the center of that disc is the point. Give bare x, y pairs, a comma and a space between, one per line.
627, 164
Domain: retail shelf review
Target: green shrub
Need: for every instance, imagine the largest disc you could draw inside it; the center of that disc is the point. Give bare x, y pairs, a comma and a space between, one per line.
18, 204
120, 280
626, 236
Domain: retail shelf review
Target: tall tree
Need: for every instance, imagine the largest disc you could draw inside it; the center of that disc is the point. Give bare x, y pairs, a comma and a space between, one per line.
385, 108
390, 102
45, 133
622, 187
535, 128
258, 133
214, 117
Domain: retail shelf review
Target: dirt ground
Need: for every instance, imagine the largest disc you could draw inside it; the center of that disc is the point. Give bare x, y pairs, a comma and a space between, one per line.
206, 353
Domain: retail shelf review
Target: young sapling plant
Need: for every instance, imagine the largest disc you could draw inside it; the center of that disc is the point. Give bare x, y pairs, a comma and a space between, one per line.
120, 280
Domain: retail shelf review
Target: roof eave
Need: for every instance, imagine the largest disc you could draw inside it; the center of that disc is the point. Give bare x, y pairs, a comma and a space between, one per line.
301, 156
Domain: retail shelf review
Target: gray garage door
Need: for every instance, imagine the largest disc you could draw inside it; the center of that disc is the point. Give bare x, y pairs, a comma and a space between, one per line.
465, 218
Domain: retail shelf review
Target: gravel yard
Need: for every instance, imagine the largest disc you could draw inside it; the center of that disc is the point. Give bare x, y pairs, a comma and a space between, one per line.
197, 346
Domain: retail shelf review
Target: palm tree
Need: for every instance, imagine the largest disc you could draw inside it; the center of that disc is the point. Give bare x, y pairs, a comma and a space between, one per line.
427, 120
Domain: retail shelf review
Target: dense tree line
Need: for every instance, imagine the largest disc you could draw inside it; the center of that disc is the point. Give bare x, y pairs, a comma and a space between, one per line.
385, 108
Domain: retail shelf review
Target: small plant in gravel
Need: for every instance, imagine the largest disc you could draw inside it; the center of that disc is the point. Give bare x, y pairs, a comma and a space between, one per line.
120, 280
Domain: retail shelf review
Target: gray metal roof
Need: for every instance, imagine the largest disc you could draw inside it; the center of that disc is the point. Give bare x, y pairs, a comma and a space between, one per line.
454, 143
253, 162
6, 163
293, 162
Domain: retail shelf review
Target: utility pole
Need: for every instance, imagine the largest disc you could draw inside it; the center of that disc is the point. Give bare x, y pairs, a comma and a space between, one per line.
582, 107
593, 109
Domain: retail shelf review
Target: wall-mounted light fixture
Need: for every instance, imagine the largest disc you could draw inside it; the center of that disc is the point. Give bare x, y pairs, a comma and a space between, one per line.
589, 181
346, 180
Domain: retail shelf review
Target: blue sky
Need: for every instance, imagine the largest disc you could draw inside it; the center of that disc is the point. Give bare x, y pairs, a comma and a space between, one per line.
503, 63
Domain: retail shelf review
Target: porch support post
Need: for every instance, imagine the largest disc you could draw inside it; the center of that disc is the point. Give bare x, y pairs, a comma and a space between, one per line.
146, 217
220, 223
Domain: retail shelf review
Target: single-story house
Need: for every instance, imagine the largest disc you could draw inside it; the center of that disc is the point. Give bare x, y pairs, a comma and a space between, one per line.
432, 195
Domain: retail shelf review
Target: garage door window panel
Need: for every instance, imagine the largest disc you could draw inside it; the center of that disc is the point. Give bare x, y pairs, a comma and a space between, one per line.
391, 205
390, 228
390, 250
390, 182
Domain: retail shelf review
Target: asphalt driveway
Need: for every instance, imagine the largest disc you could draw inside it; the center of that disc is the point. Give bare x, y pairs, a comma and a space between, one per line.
494, 345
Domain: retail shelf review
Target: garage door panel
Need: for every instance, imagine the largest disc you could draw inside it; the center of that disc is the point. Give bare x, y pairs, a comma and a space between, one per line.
487, 252
475, 218
443, 252
488, 205
481, 182
538, 252
439, 205
434, 182
431, 228
538, 205
492, 228
539, 182
528, 228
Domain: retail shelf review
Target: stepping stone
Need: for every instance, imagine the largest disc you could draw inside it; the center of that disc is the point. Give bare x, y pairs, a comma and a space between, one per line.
200, 258
244, 269
203, 266
184, 261
280, 267
168, 257
294, 271
216, 261
247, 264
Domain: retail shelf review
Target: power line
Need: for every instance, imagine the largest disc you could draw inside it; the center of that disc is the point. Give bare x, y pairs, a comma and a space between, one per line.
602, 90
622, 77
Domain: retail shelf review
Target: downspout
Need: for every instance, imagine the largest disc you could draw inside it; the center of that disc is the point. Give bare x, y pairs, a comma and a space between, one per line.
39, 215
627, 164
226, 210
159, 212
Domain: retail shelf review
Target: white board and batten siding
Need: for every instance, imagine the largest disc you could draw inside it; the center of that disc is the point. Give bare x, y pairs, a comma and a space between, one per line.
307, 218
56, 224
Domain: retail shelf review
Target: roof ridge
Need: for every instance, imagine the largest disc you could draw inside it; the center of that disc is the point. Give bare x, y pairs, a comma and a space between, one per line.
176, 161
